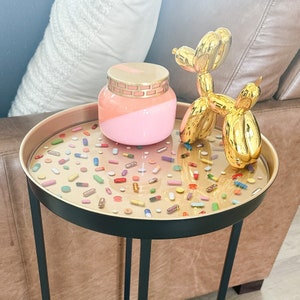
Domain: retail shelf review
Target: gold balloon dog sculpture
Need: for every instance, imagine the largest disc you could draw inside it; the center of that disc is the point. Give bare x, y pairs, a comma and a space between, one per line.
241, 134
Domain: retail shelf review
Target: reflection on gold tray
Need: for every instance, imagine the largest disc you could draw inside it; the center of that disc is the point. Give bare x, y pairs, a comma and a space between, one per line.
146, 182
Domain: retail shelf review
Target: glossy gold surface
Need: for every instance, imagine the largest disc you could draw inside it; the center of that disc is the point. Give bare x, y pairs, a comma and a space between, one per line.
241, 134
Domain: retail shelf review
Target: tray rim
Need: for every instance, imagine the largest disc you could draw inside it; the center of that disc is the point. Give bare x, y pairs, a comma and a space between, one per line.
89, 112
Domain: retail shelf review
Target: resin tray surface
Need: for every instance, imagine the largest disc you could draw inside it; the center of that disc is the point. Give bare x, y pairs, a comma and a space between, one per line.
69, 158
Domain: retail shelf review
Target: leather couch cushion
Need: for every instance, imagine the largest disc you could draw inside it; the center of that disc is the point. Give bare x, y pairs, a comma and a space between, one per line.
264, 42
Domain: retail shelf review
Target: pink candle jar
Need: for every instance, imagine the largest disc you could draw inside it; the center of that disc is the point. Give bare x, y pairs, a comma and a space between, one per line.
137, 106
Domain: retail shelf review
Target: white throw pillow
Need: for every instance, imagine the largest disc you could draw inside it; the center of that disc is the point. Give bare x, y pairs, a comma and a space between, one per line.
83, 39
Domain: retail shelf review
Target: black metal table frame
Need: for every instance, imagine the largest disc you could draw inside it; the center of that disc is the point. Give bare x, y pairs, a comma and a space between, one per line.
151, 230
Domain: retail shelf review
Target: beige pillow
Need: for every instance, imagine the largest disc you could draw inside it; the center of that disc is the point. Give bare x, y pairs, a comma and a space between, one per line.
290, 81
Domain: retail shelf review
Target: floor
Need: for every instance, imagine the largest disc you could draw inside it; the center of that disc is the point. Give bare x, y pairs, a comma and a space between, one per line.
284, 280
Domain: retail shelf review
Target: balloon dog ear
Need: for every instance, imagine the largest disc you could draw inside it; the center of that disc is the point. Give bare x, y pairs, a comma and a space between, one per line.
225, 38
212, 50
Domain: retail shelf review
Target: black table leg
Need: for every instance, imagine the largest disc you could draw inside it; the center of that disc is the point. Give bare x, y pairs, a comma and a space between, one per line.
39, 244
230, 255
145, 254
128, 257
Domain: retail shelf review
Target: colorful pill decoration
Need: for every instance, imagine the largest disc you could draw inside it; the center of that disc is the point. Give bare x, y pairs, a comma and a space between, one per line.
129, 155
171, 196
152, 190
192, 164
179, 190
147, 213
155, 198
53, 152
173, 208
48, 183
73, 177
82, 184
135, 187
80, 155
101, 145
215, 206
131, 165
162, 149
124, 172
66, 189
211, 188
184, 155
189, 195
75, 129
168, 158
212, 177
236, 176
163, 179
137, 202
98, 179
36, 167
89, 192
96, 161
86, 201
85, 142
156, 170
197, 204
196, 175
120, 180
240, 185
63, 161
188, 146
113, 161
174, 182
177, 168
206, 161
57, 141
108, 190
153, 180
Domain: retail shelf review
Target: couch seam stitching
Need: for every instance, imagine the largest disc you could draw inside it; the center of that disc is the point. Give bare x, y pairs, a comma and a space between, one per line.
14, 220
250, 45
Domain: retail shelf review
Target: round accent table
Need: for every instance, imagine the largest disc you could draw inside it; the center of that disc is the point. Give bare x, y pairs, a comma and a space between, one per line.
162, 191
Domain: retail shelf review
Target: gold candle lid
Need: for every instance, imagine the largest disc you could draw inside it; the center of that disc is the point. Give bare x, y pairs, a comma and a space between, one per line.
138, 80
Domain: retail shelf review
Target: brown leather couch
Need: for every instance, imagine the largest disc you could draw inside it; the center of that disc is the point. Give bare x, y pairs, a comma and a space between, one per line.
87, 265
